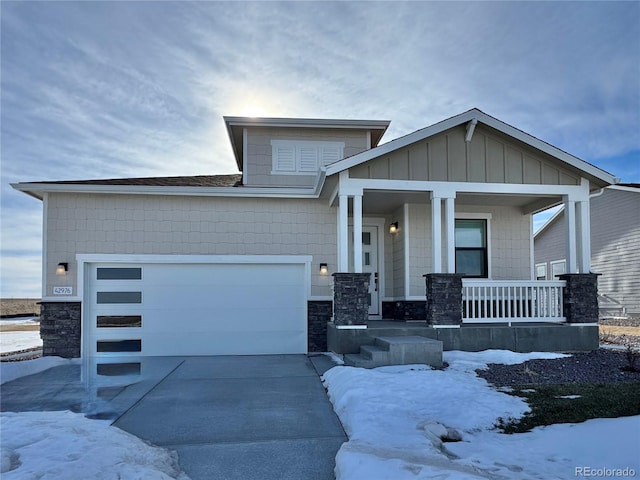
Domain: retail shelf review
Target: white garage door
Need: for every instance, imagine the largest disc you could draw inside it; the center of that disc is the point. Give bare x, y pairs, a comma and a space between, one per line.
195, 309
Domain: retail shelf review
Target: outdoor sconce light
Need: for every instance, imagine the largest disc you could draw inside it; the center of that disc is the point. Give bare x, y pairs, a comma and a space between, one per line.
323, 269
62, 268
393, 228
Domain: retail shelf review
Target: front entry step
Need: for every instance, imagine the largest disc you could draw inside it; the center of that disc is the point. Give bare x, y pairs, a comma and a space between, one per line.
401, 350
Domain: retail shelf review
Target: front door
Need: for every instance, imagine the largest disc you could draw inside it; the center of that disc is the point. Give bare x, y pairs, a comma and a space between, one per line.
370, 265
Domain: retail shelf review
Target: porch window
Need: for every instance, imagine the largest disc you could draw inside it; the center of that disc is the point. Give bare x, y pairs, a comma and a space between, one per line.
558, 268
471, 248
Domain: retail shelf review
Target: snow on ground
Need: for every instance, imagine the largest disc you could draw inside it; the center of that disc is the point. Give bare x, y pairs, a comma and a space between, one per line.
15, 341
396, 416
54, 445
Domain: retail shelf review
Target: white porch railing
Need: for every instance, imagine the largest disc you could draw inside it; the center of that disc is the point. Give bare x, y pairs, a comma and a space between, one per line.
487, 301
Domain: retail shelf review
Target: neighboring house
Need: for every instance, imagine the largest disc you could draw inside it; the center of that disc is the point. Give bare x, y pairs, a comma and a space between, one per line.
264, 261
615, 246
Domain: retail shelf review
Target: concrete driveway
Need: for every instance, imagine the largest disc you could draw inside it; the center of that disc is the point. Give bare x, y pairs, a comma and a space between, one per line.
245, 417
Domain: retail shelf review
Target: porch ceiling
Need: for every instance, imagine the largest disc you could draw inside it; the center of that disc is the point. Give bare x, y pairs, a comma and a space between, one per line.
383, 202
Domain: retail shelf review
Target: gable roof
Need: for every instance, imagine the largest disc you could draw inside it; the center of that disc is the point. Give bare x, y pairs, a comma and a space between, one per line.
469, 116
236, 125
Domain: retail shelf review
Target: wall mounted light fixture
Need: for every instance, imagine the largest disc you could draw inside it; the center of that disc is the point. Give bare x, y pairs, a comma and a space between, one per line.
393, 228
323, 269
62, 268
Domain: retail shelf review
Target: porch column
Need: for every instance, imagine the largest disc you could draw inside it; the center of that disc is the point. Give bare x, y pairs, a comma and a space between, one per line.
343, 233
584, 237
357, 233
436, 233
450, 233
570, 218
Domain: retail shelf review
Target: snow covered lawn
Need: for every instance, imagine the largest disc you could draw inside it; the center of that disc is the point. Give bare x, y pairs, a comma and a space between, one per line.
56, 445
396, 416
12, 341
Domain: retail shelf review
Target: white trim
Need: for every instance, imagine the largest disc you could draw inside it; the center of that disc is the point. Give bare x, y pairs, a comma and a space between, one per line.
407, 245
368, 144
249, 192
450, 189
343, 233
61, 299
245, 142
624, 188
350, 327
45, 215
444, 326
320, 298
450, 233
583, 324
570, 231
357, 234
583, 218
436, 233
532, 259
306, 122
470, 115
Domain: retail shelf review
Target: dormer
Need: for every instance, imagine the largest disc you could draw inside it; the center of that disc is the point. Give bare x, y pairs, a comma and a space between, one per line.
290, 152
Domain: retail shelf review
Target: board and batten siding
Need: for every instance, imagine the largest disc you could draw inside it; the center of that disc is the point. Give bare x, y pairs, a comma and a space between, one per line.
259, 156
615, 245
489, 158
159, 225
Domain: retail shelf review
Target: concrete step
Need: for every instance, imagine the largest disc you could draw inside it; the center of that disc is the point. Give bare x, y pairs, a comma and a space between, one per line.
405, 350
374, 353
357, 360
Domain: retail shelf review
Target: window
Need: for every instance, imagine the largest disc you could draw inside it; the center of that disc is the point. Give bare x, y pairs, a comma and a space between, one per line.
119, 273
298, 157
471, 248
541, 271
558, 268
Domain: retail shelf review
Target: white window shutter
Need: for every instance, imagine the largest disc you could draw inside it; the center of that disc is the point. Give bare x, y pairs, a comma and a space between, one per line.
308, 158
331, 154
285, 158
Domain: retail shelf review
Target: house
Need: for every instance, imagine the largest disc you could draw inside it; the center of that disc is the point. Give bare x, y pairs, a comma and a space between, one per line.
615, 247
265, 261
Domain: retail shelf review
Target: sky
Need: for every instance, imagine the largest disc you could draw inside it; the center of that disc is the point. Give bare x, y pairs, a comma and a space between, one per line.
119, 89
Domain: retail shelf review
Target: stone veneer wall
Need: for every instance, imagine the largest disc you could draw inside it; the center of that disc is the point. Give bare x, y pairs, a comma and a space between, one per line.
318, 315
580, 297
351, 298
444, 298
60, 328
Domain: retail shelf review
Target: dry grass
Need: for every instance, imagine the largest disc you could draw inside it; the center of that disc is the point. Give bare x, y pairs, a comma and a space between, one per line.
20, 328
19, 306
617, 330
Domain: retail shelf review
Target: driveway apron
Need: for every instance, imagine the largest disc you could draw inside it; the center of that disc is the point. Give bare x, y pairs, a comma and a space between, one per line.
242, 417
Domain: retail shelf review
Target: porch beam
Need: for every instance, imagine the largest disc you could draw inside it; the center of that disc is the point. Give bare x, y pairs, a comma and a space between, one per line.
352, 186
436, 233
343, 233
357, 233
450, 231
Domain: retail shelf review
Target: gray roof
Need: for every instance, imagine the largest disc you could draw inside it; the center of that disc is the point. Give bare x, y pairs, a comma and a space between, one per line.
232, 180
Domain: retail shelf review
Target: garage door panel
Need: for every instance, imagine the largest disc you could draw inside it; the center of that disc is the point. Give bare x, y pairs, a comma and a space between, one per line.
223, 274
207, 309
